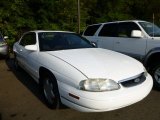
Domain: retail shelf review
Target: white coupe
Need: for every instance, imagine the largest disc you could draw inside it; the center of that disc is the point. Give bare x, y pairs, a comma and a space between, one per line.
72, 71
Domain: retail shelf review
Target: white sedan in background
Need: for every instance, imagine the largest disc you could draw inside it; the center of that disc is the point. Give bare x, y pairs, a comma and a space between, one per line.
72, 71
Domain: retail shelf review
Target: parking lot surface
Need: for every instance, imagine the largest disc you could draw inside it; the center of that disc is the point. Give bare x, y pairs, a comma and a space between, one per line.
20, 99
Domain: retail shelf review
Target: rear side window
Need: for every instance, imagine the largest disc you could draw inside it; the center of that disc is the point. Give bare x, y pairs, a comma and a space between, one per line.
91, 30
109, 30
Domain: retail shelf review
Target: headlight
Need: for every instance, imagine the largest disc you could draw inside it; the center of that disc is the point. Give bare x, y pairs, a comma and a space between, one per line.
98, 85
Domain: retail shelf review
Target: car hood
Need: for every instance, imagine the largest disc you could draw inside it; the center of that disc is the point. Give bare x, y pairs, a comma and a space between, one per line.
100, 63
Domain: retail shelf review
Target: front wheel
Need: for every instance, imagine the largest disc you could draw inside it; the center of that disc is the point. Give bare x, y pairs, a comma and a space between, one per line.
155, 72
50, 91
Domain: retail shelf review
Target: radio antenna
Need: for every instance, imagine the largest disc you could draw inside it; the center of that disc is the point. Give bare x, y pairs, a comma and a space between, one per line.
153, 25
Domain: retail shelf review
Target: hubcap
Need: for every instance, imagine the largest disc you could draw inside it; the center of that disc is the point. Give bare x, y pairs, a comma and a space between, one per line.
48, 91
157, 75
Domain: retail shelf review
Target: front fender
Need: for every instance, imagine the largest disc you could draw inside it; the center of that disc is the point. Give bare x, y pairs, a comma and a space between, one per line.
62, 71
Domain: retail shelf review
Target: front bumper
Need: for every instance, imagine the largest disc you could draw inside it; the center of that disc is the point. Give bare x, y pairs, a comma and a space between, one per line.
104, 101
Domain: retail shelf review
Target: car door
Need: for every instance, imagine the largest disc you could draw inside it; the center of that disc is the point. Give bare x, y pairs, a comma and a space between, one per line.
28, 58
126, 44
107, 36
20, 51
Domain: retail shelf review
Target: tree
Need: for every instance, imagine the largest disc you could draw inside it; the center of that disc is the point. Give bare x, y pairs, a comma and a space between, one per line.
17, 16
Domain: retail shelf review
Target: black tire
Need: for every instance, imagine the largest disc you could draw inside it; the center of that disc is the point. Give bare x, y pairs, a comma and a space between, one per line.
50, 91
16, 65
7, 57
155, 72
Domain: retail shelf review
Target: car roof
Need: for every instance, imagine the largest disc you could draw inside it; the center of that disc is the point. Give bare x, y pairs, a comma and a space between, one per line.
119, 22
38, 31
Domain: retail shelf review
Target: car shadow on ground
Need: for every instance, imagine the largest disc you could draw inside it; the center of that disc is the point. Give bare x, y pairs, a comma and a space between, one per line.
28, 81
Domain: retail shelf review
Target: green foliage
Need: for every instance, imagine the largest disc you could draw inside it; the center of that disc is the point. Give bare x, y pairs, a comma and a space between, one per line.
18, 16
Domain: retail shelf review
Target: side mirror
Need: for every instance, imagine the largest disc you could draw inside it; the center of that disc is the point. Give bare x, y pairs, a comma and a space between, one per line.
136, 34
31, 47
5, 37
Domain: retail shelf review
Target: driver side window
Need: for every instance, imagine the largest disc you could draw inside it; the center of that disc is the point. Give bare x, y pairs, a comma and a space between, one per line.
125, 29
28, 39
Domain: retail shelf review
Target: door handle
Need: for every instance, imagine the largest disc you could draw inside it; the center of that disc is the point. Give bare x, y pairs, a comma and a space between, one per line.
118, 42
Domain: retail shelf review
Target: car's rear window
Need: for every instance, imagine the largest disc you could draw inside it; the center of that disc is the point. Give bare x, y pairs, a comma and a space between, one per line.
91, 30
109, 30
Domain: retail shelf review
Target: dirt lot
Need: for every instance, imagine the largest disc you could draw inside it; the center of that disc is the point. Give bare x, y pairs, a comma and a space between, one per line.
20, 99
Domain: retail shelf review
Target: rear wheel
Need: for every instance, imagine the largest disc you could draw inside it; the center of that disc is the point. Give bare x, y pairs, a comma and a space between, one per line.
7, 56
16, 65
50, 91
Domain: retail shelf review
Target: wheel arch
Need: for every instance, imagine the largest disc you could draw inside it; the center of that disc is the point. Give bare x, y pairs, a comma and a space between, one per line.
152, 58
42, 71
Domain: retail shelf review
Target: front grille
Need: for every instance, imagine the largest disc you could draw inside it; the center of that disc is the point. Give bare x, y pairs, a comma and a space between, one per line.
133, 82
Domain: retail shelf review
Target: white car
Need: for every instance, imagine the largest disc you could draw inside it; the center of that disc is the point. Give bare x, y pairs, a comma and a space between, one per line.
73, 72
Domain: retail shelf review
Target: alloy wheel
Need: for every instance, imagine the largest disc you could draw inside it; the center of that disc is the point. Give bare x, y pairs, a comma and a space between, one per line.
48, 91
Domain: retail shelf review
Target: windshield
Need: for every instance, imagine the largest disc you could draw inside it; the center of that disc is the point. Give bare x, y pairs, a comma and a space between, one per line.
151, 29
50, 41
